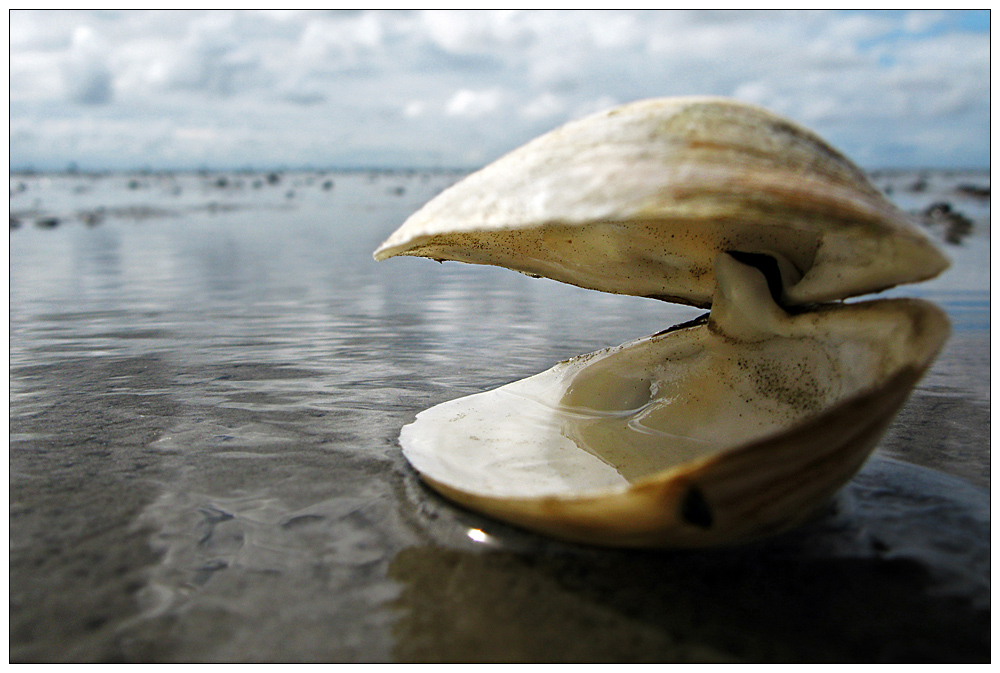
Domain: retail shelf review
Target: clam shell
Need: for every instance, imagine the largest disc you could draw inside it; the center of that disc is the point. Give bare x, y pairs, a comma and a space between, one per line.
704, 435
737, 426
640, 199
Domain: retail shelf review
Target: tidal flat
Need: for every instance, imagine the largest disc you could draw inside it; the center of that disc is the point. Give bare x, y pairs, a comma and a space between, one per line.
208, 374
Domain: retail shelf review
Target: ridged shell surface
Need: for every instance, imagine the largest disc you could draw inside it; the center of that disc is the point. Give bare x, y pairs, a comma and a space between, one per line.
640, 199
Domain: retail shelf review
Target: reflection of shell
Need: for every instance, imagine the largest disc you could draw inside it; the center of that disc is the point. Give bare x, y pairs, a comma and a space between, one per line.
714, 432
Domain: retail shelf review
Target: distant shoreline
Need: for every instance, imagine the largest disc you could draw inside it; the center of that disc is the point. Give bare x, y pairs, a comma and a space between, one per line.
29, 172
383, 170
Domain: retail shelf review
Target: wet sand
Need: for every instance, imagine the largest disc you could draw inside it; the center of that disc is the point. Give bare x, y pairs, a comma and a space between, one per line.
207, 385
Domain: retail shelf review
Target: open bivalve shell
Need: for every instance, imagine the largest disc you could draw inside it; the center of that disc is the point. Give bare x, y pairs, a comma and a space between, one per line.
734, 426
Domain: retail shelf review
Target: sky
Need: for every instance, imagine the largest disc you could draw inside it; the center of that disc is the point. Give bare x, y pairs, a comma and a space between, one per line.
342, 89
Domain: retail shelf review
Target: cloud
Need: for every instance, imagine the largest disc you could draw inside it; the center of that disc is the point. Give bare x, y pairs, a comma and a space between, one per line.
414, 108
475, 104
464, 87
86, 75
327, 45
545, 105
211, 59
462, 32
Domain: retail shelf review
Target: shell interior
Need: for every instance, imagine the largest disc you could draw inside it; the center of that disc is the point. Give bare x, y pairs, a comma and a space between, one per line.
609, 419
585, 436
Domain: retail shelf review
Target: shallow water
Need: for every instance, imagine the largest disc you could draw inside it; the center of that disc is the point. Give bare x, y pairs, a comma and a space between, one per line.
207, 386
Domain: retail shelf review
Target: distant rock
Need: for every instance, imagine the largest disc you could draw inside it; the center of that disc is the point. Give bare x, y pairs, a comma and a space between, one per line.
92, 217
956, 225
974, 191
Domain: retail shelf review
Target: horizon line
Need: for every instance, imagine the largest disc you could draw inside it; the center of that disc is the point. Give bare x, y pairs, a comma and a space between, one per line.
72, 169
